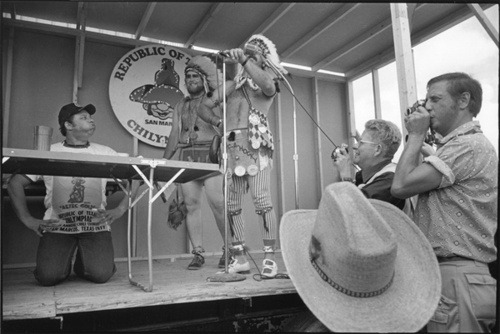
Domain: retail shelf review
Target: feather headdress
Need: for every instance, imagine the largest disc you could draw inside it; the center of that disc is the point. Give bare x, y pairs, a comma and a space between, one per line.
207, 70
268, 50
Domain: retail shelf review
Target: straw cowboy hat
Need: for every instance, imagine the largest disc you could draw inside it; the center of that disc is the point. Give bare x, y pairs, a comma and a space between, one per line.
360, 265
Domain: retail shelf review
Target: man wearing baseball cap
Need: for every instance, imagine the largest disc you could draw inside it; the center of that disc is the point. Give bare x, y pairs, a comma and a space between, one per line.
76, 217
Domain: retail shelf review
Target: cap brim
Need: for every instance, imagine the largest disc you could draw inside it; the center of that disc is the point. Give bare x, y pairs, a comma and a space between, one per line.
90, 108
405, 307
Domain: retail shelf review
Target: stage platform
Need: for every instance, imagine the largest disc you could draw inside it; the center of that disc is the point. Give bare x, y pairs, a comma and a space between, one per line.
180, 298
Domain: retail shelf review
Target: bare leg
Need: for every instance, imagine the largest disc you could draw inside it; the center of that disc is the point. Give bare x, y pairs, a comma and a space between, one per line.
215, 198
192, 195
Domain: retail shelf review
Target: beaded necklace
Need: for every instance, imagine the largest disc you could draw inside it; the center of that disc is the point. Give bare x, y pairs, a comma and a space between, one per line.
190, 116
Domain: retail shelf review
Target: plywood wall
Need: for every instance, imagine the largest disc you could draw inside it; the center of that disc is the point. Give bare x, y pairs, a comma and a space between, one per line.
42, 82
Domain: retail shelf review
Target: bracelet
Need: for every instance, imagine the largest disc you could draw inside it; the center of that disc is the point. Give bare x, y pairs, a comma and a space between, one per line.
245, 62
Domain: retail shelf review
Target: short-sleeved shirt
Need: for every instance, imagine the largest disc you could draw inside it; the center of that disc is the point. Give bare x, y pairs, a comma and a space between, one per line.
460, 216
73, 198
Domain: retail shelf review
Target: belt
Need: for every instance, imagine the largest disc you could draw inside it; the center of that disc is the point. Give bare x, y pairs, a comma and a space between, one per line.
452, 258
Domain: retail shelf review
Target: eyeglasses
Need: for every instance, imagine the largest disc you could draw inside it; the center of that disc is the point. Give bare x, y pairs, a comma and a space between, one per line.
364, 142
367, 142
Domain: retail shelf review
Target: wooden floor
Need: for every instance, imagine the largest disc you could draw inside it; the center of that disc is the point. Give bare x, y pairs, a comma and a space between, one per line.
23, 298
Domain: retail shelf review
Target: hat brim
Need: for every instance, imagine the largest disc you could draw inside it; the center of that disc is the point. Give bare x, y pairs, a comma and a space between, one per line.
406, 306
157, 94
89, 108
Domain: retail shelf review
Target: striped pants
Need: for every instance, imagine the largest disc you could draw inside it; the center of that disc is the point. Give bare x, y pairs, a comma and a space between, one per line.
260, 189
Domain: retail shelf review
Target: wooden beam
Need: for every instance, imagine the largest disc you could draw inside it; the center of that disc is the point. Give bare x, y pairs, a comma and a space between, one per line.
81, 16
407, 82
273, 18
145, 19
317, 114
281, 162
385, 57
371, 33
13, 13
79, 50
411, 7
440, 26
209, 16
355, 43
485, 22
82, 23
351, 120
64, 31
376, 94
319, 29
8, 88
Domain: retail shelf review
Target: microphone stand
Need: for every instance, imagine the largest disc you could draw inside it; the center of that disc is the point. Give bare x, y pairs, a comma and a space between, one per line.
295, 154
226, 276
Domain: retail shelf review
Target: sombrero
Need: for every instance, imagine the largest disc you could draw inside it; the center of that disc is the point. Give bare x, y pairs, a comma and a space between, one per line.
360, 265
165, 89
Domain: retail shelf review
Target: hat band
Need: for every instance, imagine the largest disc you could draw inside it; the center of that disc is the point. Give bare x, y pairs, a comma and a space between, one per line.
347, 291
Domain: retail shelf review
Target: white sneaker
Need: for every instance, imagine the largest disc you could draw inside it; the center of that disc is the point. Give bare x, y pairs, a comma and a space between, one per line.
269, 268
235, 267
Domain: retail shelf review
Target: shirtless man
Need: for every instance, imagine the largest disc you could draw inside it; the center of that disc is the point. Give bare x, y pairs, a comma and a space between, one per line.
192, 136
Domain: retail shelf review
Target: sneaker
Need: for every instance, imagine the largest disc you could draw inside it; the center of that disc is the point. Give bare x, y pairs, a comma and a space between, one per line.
269, 268
197, 262
237, 268
222, 260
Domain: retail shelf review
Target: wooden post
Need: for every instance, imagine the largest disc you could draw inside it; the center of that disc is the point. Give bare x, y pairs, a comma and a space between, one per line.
351, 121
317, 116
376, 94
279, 151
8, 88
404, 58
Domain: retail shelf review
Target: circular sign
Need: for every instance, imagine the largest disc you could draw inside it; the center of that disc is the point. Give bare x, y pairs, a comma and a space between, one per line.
144, 88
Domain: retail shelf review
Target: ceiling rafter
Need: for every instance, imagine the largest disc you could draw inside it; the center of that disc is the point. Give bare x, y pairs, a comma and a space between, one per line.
385, 57
319, 29
272, 19
207, 19
12, 11
356, 42
484, 21
81, 16
439, 26
145, 20
360, 40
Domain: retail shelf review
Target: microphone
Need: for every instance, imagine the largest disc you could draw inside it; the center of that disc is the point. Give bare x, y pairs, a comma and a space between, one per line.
251, 49
223, 54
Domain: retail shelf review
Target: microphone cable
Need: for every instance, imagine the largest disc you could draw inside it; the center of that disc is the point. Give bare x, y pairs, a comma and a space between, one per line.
282, 77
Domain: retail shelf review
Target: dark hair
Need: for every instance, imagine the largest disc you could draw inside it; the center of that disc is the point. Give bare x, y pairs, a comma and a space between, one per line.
459, 83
